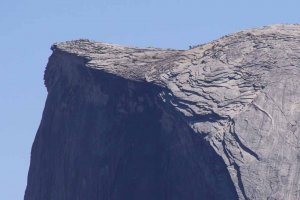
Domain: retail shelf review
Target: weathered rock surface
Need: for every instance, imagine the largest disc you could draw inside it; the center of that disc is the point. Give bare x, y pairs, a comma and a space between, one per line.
219, 121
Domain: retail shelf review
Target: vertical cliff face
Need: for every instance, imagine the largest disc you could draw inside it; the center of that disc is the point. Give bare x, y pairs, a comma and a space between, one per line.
106, 137
219, 121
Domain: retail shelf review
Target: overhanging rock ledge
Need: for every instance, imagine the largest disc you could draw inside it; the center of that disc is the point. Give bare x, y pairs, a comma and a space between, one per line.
218, 121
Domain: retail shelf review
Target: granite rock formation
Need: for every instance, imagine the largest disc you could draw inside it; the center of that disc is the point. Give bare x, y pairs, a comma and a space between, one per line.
218, 121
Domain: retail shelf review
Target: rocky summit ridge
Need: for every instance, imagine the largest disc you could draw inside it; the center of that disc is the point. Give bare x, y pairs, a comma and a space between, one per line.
218, 121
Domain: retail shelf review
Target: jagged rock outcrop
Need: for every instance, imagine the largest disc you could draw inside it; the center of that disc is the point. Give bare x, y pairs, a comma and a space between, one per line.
218, 121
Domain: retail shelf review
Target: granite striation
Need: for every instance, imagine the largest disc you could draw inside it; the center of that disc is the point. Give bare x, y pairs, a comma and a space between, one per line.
218, 121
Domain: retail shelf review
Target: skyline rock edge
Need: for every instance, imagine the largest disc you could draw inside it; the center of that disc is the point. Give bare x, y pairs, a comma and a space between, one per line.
218, 121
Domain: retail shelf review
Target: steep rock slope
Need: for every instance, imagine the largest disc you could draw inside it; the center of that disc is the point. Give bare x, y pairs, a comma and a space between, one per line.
219, 121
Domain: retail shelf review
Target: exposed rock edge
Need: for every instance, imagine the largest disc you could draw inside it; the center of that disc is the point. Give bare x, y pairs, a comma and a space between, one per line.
219, 121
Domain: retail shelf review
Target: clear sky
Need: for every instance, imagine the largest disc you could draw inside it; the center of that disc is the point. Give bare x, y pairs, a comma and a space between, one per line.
29, 27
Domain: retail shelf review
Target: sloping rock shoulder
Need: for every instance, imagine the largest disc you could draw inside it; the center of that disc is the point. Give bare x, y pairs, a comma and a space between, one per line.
219, 121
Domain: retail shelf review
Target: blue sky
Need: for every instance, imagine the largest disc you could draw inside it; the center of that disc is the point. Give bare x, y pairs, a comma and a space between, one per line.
29, 27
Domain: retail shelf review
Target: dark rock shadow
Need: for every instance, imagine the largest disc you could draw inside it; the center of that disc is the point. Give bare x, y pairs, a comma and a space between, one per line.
127, 146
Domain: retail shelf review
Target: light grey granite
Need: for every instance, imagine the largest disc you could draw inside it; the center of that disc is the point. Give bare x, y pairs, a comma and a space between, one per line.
225, 117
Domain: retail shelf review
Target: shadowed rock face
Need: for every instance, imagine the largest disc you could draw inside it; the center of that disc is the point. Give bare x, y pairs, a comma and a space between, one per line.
219, 121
